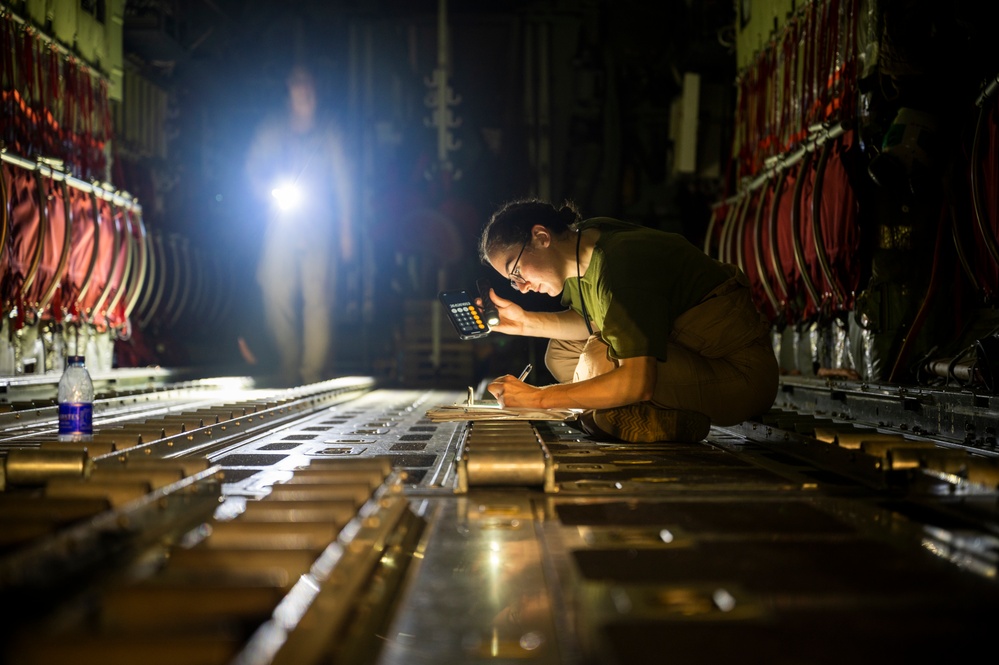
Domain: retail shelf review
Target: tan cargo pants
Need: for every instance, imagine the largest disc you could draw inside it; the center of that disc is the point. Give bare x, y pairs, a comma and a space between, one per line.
297, 282
719, 360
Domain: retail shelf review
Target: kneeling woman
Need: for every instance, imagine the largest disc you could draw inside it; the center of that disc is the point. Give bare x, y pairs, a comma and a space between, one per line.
659, 341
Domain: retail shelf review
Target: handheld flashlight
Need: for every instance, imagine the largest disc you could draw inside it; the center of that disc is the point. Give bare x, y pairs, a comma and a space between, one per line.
287, 196
489, 311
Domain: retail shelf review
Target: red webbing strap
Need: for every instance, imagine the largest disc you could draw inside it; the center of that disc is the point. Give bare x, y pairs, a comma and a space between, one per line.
784, 243
771, 139
752, 248
743, 253
106, 105
93, 124
107, 131
758, 107
739, 137
24, 237
105, 259
806, 65
79, 95
73, 278
19, 114
799, 110
760, 95
748, 120
69, 99
811, 45
755, 119
789, 48
768, 103
772, 251
838, 58
819, 72
800, 221
63, 219
72, 99
792, 92
762, 103
819, 65
23, 84
50, 97
834, 60
127, 262
822, 73
114, 307
8, 44
88, 126
32, 47
782, 90
750, 104
7, 51
848, 90
27, 68
53, 77
55, 231
80, 251
41, 104
5, 188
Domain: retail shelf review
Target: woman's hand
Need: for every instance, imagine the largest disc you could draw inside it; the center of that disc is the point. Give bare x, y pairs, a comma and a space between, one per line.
512, 316
634, 380
515, 320
509, 391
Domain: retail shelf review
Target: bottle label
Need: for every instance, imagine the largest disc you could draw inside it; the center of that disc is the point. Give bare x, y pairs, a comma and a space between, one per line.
76, 418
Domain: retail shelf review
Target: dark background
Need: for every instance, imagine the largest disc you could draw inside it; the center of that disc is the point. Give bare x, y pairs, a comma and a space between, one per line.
589, 84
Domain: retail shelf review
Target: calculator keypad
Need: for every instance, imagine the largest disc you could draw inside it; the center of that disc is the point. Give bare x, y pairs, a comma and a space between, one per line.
468, 317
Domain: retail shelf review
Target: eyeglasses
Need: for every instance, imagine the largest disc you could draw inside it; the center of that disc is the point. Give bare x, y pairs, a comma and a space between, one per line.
515, 278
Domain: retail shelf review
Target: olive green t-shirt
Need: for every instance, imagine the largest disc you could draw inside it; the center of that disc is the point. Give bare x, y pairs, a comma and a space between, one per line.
638, 282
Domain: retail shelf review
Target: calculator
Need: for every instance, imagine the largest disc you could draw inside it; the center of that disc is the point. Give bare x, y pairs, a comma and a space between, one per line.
464, 315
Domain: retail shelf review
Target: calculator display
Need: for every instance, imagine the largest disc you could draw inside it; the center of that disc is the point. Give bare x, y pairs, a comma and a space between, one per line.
464, 315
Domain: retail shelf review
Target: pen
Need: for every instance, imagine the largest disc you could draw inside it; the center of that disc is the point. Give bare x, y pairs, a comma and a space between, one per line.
527, 370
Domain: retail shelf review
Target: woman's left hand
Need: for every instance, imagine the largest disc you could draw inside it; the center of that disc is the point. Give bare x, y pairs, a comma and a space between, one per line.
510, 391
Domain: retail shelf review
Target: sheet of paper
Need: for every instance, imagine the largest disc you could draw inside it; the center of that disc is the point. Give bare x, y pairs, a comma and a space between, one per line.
492, 411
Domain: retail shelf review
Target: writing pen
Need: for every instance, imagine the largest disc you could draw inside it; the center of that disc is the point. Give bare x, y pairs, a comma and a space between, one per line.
527, 370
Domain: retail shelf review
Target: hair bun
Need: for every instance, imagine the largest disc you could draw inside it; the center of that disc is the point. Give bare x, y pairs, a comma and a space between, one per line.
568, 213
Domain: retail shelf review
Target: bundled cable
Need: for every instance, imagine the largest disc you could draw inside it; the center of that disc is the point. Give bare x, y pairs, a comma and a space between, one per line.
54, 106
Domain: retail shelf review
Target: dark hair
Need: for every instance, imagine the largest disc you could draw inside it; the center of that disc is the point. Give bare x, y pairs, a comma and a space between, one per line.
511, 224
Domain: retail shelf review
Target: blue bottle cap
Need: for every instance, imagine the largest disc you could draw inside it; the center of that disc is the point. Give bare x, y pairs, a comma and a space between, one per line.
75, 360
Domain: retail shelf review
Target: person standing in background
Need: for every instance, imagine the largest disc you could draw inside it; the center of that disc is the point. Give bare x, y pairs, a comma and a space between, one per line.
296, 164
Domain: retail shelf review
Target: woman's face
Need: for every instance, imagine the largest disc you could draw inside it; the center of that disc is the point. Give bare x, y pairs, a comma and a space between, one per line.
530, 266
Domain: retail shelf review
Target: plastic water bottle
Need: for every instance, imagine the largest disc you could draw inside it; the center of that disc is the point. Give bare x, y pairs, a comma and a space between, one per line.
76, 402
